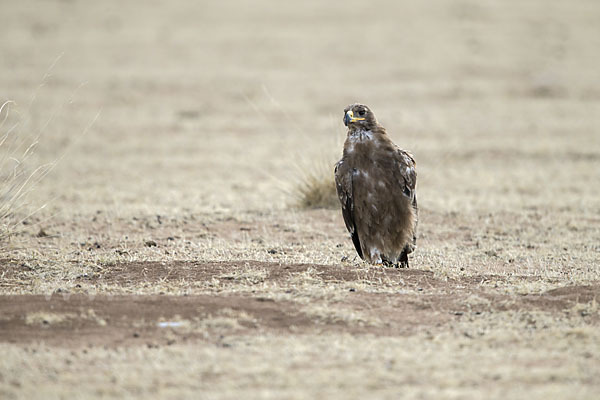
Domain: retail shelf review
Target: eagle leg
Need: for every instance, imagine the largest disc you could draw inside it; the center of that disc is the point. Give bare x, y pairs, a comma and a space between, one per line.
403, 260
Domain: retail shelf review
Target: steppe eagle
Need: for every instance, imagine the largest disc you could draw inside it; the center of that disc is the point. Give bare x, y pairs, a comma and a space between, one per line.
376, 184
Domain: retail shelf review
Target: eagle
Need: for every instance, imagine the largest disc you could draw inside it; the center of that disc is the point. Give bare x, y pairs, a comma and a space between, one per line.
376, 185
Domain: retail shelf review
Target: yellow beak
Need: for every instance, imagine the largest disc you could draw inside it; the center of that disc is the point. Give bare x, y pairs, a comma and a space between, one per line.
349, 117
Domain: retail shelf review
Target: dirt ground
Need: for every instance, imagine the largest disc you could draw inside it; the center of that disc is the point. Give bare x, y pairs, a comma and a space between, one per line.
164, 255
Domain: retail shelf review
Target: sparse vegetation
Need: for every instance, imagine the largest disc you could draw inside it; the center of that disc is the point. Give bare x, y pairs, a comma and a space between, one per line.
18, 175
169, 263
316, 188
12, 178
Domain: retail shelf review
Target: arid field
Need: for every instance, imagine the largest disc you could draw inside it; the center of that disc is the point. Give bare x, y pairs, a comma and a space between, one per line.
160, 161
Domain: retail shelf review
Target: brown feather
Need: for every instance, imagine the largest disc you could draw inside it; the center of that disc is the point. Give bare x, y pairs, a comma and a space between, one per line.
376, 184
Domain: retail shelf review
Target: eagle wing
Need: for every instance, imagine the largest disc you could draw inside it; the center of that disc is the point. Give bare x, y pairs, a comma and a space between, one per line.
408, 171
343, 184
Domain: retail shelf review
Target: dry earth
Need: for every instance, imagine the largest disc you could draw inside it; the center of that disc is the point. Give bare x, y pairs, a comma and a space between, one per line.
165, 257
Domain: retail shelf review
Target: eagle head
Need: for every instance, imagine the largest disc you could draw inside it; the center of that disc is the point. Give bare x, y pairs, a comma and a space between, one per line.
359, 116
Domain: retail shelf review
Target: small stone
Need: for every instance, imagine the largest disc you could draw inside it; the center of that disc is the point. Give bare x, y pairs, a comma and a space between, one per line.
42, 233
150, 243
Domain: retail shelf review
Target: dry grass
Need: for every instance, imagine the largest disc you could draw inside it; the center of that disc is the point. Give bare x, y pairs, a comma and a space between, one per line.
15, 180
20, 173
208, 108
316, 188
335, 366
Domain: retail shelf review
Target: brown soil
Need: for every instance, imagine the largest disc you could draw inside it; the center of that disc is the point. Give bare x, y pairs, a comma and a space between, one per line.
422, 303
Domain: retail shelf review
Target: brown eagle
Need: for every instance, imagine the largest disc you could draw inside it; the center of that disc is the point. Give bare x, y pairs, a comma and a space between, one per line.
376, 182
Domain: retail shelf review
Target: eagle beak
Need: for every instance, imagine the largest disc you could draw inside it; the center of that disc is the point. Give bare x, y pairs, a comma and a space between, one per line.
349, 117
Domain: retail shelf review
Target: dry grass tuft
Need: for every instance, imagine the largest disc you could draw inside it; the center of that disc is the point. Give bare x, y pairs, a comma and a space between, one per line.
17, 178
316, 188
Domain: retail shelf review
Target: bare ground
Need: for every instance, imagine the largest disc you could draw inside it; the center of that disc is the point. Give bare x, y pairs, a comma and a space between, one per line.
164, 257
422, 303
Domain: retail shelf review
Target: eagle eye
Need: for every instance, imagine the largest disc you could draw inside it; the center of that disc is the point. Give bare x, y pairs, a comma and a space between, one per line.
362, 113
